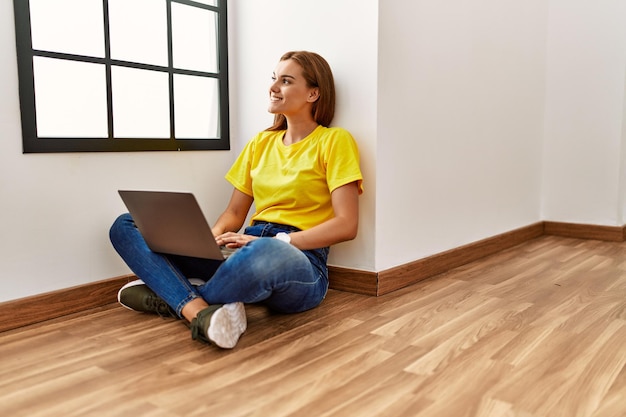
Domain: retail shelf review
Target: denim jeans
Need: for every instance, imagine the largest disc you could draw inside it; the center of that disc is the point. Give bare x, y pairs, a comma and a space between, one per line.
266, 270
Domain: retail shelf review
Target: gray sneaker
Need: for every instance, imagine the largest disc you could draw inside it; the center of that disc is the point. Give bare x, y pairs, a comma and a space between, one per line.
221, 325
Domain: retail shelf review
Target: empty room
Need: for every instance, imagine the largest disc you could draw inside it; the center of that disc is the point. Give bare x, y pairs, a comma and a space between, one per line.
450, 176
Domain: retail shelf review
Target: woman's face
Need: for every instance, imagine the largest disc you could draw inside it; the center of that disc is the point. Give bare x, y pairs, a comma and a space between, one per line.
289, 93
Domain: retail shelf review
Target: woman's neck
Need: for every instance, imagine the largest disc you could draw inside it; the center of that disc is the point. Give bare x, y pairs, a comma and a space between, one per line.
296, 131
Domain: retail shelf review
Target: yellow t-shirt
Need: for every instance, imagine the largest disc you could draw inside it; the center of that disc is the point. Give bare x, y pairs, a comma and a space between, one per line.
292, 184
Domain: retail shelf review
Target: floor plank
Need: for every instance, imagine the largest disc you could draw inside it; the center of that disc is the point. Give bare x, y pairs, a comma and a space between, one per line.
538, 330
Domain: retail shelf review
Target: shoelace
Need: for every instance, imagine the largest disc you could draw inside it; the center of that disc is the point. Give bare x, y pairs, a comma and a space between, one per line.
196, 331
159, 306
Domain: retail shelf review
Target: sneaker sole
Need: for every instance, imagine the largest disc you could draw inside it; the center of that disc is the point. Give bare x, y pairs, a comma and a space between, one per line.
196, 282
127, 285
227, 325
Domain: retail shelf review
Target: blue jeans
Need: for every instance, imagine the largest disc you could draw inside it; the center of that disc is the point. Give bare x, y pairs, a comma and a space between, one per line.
266, 270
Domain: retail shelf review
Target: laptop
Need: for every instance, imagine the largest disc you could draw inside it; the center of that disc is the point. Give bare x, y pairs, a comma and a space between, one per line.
173, 223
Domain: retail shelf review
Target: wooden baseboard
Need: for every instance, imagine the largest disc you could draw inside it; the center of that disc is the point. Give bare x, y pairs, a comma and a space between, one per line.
38, 308
405, 275
353, 280
586, 231
41, 307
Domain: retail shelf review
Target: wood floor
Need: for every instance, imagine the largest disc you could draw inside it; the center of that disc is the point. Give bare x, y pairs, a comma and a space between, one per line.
536, 330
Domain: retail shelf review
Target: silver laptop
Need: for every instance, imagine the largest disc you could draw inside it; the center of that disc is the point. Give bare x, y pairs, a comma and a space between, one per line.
173, 223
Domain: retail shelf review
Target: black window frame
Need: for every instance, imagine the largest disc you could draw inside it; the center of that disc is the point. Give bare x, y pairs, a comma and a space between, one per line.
32, 143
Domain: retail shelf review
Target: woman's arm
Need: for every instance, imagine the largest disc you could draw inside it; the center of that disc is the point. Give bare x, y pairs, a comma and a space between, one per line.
231, 220
342, 227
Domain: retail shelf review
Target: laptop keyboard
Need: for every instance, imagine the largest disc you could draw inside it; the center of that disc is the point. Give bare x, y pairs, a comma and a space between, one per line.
227, 251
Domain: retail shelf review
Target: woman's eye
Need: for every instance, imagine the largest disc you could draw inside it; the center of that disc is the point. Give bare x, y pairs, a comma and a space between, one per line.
283, 80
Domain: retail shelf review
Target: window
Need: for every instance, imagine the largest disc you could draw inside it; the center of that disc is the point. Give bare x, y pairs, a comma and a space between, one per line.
122, 75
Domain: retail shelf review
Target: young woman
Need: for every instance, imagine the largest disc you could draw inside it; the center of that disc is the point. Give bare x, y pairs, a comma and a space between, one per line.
304, 179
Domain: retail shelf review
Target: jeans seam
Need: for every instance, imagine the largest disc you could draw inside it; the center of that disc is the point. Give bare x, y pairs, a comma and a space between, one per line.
185, 282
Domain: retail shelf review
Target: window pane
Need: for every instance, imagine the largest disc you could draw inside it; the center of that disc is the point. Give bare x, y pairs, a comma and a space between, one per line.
70, 98
113, 75
140, 103
207, 2
55, 26
196, 100
138, 31
194, 38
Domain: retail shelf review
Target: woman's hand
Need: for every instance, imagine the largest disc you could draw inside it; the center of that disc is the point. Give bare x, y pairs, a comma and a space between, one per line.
234, 240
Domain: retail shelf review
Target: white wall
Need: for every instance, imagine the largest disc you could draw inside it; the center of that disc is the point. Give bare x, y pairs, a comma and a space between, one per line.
55, 209
345, 33
472, 120
584, 134
622, 174
460, 123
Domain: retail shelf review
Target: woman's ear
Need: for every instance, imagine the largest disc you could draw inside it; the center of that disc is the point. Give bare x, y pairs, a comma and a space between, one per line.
314, 94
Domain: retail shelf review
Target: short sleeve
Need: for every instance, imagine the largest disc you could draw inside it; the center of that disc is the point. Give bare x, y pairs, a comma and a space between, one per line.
342, 160
239, 173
